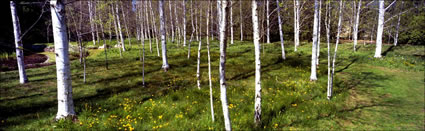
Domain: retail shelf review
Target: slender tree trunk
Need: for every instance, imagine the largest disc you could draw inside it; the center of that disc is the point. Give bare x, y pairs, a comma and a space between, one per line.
268, 21
63, 72
165, 65
178, 30
116, 29
380, 29
241, 19
222, 67
328, 26
318, 33
196, 23
398, 26
341, 6
154, 28
356, 25
149, 31
84, 63
313, 75
198, 72
296, 23
95, 23
126, 25
184, 22
171, 21
280, 30
119, 27
231, 22
256, 36
105, 47
18, 44
209, 63
91, 22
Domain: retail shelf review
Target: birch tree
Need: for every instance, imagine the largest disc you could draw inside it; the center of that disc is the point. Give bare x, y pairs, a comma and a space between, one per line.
116, 28
231, 22
256, 36
398, 26
89, 3
268, 21
184, 22
318, 33
119, 27
280, 30
380, 30
341, 6
171, 21
328, 27
241, 19
313, 75
126, 25
222, 66
356, 24
63, 72
165, 65
149, 31
296, 24
18, 43
154, 27
209, 62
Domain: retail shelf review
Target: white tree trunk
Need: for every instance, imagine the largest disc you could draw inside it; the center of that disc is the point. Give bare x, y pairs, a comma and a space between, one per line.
313, 75
91, 22
296, 23
222, 67
126, 26
116, 30
209, 63
63, 72
178, 30
327, 24
231, 22
398, 26
341, 6
154, 28
104, 42
280, 30
18, 44
356, 25
198, 72
165, 65
171, 21
256, 36
380, 29
268, 21
148, 32
241, 19
184, 22
318, 33
119, 27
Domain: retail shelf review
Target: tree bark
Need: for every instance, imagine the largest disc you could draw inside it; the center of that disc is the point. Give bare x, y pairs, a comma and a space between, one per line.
171, 21
222, 67
296, 23
91, 22
268, 21
63, 72
209, 63
341, 6
154, 28
126, 26
313, 75
328, 26
398, 26
119, 27
380, 29
241, 19
231, 22
256, 36
356, 25
318, 33
165, 65
280, 30
18, 44
184, 22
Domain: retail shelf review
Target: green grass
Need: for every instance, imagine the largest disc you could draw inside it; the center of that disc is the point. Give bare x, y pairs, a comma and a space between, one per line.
369, 93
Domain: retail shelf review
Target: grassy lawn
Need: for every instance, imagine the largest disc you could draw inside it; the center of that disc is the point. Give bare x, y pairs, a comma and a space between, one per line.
369, 93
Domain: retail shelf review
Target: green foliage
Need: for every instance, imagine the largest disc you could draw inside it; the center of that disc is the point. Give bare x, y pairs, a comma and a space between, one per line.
380, 94
415, 35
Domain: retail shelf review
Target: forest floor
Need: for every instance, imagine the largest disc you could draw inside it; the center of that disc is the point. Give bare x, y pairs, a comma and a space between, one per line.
369, 93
